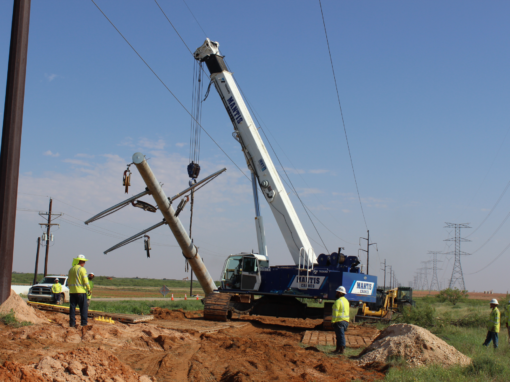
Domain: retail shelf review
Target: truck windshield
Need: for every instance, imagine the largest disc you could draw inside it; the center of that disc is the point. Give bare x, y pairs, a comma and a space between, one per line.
51, 280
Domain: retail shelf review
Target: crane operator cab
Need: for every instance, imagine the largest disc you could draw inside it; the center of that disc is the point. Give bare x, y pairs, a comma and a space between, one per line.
242, 271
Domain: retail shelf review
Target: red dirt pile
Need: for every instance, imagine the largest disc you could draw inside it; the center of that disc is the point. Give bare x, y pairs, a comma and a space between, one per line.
82, 364
413, 343
22, 311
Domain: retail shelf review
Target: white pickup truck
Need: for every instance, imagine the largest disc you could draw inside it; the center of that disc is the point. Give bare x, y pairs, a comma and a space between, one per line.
41, 292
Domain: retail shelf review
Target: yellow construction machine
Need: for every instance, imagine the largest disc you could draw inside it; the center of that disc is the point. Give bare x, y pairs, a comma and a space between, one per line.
387, 302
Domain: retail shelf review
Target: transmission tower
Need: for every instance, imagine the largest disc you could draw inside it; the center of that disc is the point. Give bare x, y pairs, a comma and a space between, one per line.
434, 284
425, 270
457, 279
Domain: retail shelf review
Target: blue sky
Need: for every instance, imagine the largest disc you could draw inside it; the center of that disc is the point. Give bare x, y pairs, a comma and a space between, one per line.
424, 90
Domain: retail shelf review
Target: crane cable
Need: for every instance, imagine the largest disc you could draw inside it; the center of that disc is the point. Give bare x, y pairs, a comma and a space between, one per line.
342, 114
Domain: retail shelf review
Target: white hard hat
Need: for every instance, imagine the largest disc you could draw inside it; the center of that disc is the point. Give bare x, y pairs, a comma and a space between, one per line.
81, 258
91, 274
341, 289
494, 301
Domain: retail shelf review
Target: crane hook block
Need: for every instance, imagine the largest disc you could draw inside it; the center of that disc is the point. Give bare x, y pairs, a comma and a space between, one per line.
193, 170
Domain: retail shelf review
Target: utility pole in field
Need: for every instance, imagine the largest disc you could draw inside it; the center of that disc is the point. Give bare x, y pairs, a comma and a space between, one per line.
384, 269
48, 237
426, 274
457, 278
11, 140
391, 270
368, 247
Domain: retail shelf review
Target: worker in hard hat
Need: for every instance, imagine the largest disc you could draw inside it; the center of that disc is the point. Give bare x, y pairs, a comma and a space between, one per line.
56, 290
91, 283
79, 287
340, 319
508, 320
493, 325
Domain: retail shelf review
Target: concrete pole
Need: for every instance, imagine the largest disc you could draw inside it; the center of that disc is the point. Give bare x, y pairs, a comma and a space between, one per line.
11, 140
188, 248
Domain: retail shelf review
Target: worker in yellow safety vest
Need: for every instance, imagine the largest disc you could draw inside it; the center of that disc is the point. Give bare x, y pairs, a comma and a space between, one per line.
56, 289
493, 325
79, 288
507, 309
340, 319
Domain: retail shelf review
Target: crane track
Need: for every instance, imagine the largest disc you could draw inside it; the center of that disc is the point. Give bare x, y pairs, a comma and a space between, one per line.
217, 307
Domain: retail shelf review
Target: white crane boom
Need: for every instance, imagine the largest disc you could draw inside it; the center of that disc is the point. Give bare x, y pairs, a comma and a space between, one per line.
257, 157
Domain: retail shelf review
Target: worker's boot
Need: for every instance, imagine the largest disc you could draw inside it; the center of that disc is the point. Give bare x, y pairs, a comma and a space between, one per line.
342, 348
337, 350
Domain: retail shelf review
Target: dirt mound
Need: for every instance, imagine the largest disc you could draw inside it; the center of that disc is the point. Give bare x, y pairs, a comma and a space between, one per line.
176, 315
22, 311
82, 364
140, 336
415, 344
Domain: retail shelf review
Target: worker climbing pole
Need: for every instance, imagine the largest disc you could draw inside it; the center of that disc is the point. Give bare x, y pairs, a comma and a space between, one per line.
194, 155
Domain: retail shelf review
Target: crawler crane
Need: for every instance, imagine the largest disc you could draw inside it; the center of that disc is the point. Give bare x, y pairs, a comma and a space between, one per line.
247, 275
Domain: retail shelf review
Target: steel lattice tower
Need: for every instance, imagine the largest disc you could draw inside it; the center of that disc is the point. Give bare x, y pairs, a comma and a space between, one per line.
425, 282
457, 279
434, 284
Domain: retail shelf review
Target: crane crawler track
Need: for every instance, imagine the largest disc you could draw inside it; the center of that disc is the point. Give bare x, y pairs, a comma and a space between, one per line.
217, 307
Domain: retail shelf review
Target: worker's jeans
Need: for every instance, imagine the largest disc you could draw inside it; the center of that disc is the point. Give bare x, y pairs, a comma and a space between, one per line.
340, 328
491, 336
56, 297
79, 299
508, 334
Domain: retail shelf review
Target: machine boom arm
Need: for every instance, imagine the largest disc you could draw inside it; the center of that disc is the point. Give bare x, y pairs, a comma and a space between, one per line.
256, 154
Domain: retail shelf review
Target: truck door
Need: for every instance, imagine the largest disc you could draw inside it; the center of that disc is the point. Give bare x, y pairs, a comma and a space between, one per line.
250, 278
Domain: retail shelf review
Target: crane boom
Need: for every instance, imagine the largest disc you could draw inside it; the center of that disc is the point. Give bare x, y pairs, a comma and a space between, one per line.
257, 157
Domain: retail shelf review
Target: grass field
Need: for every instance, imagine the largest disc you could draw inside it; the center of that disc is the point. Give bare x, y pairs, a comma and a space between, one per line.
27, 278
142, 307
464, 327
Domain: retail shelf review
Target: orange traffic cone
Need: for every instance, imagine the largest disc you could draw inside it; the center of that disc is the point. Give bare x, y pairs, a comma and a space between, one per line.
172, 296
197, 296
185, 297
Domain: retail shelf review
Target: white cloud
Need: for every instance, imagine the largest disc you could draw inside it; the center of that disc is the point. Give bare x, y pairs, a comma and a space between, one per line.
128, 141
76, 162
346, 211
84, 156
484, 209
147, 143
309, 191
319, 171
180, 144
50, 77
294, 170
50, 154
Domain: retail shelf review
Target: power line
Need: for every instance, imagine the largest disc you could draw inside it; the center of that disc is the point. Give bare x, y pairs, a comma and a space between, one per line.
184, 1
342, 114
167, 88
497, 257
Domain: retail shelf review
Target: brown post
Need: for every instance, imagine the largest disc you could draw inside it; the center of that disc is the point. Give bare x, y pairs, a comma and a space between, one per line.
37, 260
48, 228
11, 140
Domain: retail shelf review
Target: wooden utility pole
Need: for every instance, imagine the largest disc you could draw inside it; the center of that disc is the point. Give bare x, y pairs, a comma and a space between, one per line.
37, 260
11, 140
48, 233
384, 269
368, 247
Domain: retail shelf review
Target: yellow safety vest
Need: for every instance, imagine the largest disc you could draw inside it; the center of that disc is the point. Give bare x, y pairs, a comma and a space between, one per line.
56, 288
340, 310
493, 323
78, 281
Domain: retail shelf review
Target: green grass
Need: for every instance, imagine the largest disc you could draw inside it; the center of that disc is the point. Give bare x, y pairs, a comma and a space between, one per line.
142, 307
464, 327
10, 320
27, 278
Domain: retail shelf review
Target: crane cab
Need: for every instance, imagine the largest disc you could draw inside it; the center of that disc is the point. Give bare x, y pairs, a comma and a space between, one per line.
242, 271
